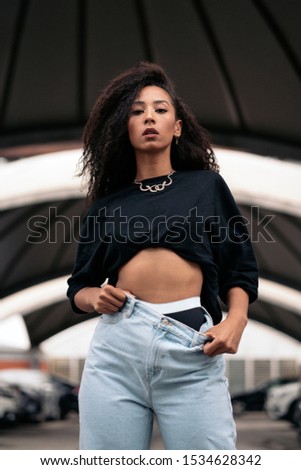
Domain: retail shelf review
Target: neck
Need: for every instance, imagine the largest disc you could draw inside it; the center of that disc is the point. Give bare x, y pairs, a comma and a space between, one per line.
150, 167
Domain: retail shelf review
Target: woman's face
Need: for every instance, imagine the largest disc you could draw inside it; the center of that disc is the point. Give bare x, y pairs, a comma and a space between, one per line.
152, 122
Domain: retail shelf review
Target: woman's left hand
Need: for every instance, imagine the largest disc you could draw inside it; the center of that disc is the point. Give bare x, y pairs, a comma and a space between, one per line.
225, 338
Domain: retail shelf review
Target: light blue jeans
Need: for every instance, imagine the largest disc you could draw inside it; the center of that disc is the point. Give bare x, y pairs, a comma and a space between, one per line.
142, 363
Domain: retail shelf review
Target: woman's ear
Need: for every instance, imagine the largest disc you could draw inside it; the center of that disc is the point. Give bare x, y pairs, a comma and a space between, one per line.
178, 128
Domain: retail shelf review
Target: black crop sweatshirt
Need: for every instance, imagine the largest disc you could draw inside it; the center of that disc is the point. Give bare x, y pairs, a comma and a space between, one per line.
196, 217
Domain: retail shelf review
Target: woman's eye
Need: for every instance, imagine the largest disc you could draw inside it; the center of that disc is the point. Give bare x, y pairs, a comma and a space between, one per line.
136, 112
161, 110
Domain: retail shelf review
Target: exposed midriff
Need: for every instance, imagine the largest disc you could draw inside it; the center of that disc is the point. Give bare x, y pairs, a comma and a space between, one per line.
160, 275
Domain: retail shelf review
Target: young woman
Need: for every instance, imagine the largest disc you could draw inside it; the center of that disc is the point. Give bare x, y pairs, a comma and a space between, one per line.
162, 240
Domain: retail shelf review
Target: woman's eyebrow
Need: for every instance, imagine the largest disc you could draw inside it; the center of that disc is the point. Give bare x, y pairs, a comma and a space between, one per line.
155, 102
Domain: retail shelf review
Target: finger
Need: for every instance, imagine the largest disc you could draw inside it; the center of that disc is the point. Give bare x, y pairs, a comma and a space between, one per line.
210, 347
116, 301
110, 307
106, 308
107, 305
116, 293
108, 296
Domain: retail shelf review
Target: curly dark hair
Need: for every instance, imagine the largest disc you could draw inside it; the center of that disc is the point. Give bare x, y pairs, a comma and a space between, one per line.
108, 157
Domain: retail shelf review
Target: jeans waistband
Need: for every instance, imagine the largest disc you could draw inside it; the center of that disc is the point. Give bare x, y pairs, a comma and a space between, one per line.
150, 315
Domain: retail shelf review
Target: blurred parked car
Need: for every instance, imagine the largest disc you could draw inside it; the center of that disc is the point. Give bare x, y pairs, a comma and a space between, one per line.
68, 396
297, 418
30, 404
9, 403
254, 399
42, 396
42, 393
282, 401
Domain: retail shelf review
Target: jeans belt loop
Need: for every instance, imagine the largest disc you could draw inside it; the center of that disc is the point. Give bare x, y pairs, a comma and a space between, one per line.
129, 306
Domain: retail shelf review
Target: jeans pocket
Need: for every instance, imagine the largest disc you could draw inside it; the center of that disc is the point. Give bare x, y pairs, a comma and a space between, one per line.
112, 317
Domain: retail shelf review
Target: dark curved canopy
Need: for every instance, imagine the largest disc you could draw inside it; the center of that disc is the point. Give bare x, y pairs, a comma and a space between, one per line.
236, 63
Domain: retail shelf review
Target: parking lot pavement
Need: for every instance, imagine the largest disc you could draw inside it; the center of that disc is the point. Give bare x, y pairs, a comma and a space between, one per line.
255, 431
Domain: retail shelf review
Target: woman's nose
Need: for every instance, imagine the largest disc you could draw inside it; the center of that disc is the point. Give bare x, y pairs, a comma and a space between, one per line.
149, 117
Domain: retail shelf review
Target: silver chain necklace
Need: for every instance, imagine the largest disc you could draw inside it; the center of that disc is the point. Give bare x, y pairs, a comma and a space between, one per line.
154, 188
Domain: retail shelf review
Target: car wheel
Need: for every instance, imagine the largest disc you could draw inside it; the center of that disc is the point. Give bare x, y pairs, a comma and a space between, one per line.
238, 407
292, 413
10, 417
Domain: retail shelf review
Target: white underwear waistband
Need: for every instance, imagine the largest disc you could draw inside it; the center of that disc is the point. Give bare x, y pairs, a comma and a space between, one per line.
176, 306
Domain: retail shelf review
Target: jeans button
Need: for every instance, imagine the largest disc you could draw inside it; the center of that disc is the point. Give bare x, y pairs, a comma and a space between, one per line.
165, 321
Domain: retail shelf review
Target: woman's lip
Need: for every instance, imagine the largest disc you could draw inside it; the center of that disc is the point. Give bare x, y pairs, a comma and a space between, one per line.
150, 131
150, 135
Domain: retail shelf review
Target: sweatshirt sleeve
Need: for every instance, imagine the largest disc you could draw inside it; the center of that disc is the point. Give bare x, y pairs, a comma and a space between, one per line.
231, 245
88, 267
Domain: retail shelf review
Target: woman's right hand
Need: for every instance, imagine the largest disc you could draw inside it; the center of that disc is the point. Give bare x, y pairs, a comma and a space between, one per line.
106, 299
